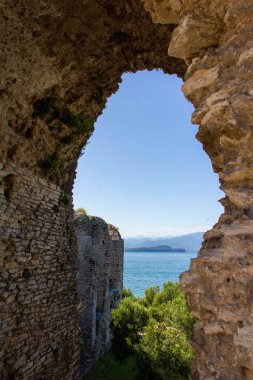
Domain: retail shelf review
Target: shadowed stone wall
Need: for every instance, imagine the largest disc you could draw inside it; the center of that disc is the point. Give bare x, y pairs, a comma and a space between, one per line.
100, 284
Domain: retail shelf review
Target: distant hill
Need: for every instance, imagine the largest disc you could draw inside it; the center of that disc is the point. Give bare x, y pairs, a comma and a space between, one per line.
190, 242
158, 248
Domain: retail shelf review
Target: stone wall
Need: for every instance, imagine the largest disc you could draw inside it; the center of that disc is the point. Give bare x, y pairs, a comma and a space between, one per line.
100, 284
39, 323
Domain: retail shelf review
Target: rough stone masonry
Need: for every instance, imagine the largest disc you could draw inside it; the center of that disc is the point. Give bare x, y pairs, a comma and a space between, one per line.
59, 61
100, 284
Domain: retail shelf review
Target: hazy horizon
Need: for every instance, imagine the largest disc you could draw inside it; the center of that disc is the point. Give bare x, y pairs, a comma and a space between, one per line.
159, 236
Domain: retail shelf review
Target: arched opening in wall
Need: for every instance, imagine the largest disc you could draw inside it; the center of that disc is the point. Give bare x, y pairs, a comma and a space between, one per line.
145, 173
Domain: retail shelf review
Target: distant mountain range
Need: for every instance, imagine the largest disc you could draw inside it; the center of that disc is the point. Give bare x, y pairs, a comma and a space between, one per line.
190, 242
158, 248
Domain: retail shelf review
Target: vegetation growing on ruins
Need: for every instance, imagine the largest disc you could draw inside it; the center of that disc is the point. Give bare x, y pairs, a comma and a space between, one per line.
81, 210
65, 200
154, 330
75, 125
48, 109
50, 164
78, 123
109, 368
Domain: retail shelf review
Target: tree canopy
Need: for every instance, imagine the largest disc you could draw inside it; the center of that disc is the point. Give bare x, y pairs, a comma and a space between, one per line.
156, 329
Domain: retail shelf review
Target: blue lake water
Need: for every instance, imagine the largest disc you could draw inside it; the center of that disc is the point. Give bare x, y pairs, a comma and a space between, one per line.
144, 269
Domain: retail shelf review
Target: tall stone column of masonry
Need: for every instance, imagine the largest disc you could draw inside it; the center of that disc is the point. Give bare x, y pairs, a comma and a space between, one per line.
100, 284
216, 40
38, 289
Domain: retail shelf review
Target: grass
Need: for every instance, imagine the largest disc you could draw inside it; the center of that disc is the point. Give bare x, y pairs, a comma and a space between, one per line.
108, 368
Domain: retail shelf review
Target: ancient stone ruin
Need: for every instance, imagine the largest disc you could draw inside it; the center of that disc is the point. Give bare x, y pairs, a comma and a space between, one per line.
60, 60
100, 284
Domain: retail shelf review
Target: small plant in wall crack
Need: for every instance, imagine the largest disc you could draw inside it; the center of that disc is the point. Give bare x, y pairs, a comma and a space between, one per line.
50, 164
78, 124
65, 200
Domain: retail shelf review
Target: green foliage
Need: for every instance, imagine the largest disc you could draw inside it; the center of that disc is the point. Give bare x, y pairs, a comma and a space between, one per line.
81, 210
165, 349
47, 108
50, 164
111, 226
150, 294
127, 293
156, 329
65, 200
78, 122
108, 368
129, 321
44, 106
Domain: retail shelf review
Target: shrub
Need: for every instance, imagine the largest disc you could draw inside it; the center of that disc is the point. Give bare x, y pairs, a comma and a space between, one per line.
129, 321
50, 164
78, 122
127, 293
165, 350
65, 200
156, 329
81, 210
150, 294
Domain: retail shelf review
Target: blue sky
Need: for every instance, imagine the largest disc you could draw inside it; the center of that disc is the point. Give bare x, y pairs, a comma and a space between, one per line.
143, 169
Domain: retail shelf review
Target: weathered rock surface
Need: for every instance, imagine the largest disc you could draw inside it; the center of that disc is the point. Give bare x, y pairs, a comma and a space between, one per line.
60, 60
100, 283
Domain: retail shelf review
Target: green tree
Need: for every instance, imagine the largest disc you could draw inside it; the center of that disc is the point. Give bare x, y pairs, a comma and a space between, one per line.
165, 350
129, 321
127, 293
155, 328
